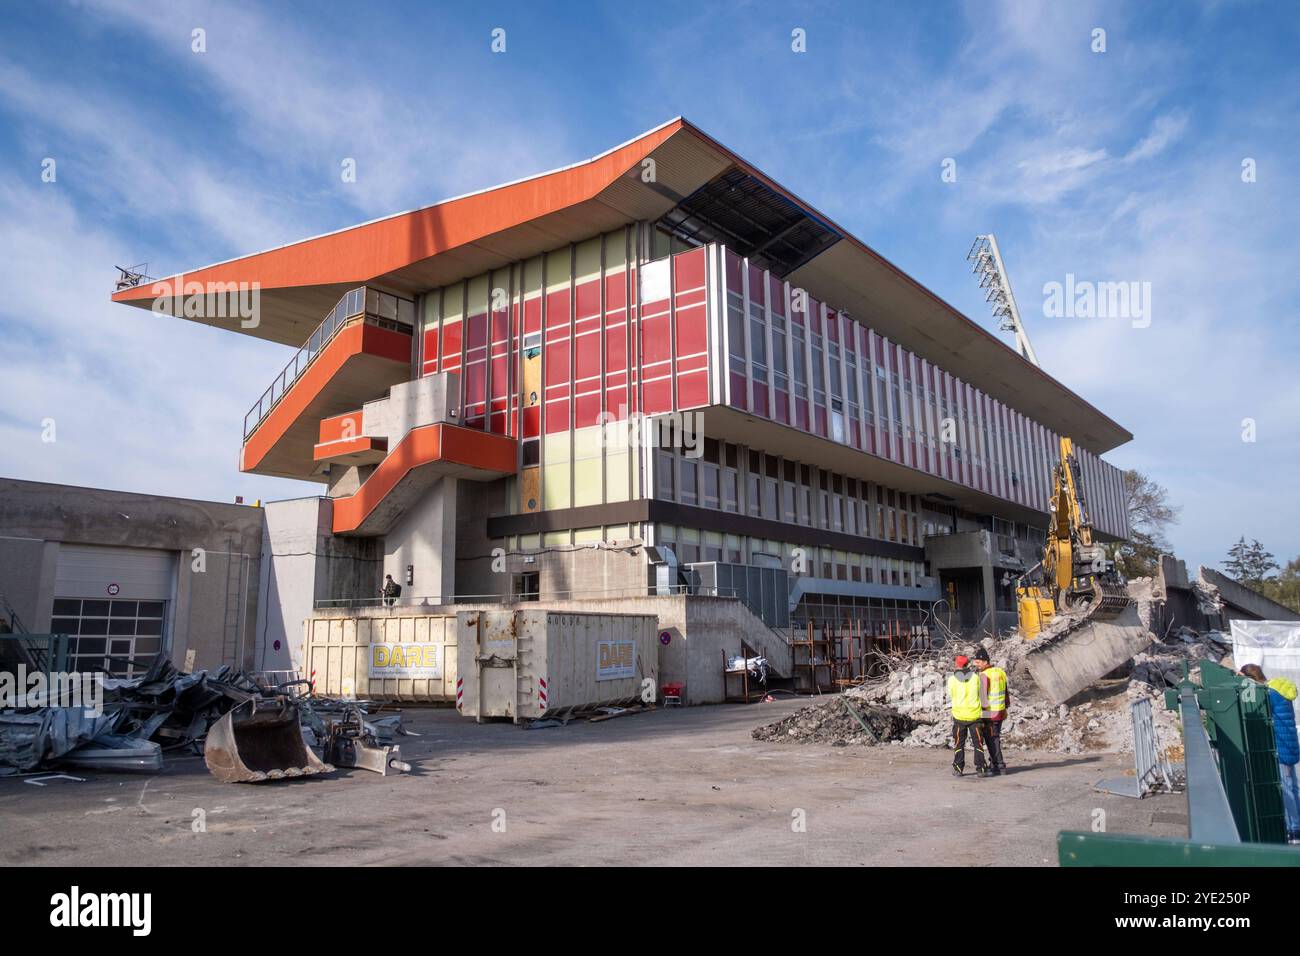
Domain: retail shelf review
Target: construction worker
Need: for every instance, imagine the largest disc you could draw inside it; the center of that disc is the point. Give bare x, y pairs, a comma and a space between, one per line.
1281, 700
994, 700
964, 693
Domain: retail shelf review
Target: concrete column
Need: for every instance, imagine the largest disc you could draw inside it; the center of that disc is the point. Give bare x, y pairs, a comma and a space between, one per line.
425, 538
989, 573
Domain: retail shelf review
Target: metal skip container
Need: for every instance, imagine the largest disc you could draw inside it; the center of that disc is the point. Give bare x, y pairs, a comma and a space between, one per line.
403, 658
537, 663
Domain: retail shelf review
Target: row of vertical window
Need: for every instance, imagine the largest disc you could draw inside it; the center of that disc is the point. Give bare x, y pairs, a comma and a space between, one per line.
692, 545
734, 479
982, 440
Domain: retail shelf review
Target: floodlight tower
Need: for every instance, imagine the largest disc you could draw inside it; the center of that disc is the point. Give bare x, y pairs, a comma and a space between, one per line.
987, 264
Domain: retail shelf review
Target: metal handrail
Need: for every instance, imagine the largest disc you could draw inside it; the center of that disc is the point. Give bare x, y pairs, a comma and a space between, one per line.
1209, 815
437, 600
369, 305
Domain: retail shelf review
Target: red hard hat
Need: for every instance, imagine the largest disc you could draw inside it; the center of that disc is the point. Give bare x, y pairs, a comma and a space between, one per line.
962, 660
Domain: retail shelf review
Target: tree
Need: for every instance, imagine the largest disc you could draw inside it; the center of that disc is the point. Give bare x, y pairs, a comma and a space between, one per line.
1250, 564
1149, 515
1139, 556
1285, 588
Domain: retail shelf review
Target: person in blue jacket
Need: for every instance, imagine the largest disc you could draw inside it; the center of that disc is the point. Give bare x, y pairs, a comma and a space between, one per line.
1281, 697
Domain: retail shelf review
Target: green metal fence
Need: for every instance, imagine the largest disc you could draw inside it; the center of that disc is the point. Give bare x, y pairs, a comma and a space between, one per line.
1234, 794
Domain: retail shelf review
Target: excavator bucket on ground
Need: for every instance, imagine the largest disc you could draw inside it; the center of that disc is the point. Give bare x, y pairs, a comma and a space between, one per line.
1078, 648
260, 739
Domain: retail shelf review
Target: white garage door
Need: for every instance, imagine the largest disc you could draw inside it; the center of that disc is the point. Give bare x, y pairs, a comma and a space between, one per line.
113, 602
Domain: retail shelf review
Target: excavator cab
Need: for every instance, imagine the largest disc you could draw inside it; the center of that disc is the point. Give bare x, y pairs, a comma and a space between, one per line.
1034, 608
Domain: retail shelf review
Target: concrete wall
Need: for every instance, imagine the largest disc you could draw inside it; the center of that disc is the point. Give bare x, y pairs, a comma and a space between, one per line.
305, 563
36, 519
424, 401
424, 539
1241, 603
965, 551
565, 571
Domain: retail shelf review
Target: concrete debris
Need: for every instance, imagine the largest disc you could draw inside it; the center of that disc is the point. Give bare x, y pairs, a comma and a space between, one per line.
840, 722
1097, 720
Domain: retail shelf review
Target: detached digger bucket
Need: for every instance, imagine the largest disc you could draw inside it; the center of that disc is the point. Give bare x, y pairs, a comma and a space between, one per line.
258, 740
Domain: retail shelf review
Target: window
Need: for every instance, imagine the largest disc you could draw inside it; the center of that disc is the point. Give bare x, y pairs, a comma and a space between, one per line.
730, 490
526, 587
689, 493
758, 348
800, 362
664, 476
119, 637
709, 474
779, 368
735, 330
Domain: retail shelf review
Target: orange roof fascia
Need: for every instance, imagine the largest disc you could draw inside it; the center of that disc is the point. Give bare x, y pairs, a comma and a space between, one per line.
360, 253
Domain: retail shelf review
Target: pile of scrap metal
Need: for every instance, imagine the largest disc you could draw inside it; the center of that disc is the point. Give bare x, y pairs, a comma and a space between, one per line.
71, 737
249, 728
254, 728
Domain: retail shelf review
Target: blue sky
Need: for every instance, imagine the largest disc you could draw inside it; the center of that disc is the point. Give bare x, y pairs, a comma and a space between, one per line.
1124, 165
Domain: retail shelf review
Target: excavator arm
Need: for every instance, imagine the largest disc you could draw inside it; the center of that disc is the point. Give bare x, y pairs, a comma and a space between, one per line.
1075, 599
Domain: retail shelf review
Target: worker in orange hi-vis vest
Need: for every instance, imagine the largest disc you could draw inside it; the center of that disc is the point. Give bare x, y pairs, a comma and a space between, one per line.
994, 700
964, 692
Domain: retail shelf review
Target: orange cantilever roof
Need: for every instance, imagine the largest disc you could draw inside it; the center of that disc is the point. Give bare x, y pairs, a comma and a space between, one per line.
300, 282
414, 251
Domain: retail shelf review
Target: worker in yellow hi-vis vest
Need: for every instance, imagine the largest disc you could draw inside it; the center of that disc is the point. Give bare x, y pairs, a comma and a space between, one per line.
994, 700
964, 693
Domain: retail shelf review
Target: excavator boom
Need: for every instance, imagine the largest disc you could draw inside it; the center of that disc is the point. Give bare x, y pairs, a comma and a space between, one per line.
1074, 603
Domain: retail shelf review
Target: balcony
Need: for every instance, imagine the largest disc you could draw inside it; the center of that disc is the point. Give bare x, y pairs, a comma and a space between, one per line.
362, 348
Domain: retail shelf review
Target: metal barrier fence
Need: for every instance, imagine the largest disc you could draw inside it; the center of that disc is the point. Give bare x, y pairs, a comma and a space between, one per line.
441, 601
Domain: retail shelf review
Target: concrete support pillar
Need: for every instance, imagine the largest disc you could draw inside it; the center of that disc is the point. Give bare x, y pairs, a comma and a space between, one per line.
424, 539
989, 575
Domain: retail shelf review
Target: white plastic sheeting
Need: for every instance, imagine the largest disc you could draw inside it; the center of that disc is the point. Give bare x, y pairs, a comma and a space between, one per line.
1273, 645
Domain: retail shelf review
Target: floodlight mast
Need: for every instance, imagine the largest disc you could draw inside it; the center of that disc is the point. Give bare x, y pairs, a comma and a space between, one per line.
987, 264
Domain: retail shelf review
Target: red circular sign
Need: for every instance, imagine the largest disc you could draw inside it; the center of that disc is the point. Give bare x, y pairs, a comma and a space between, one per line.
113, 589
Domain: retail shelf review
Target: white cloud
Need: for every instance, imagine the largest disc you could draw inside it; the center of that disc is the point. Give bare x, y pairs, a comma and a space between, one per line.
1164, 130
140, 402
155, 404
308, 100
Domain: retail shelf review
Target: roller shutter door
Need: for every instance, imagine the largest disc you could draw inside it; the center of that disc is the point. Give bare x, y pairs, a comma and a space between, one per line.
113, 602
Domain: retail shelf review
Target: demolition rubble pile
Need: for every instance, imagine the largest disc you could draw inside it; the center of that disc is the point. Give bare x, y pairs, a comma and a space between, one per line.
1096, 720
840, 722
166, 710
139, 717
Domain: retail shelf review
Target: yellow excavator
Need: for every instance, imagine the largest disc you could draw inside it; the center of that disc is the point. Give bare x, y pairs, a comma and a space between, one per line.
1074, 604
